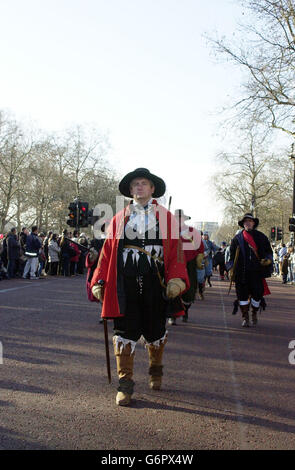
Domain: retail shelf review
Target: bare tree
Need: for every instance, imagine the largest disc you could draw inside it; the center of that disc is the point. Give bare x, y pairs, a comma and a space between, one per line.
40, 174
266, 51
245, 181
85, 151
15, 149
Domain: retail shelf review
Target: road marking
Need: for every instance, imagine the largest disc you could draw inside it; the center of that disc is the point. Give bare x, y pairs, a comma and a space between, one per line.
29, 284
15, 288
239, 406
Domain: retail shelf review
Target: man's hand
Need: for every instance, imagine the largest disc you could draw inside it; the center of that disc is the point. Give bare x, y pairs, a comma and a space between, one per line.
174, 288
199, 260
97, 291
265, 262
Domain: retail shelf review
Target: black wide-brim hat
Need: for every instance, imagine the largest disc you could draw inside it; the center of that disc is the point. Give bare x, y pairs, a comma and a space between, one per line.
124, 185
248, 216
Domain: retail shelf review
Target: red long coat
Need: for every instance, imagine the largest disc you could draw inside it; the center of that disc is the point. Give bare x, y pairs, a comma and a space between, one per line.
191, 243
174, 260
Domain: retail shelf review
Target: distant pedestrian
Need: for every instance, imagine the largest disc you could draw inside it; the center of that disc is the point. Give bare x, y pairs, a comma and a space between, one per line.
13, 252
33, 245
53, 254
45, 248
81, 263
66, 253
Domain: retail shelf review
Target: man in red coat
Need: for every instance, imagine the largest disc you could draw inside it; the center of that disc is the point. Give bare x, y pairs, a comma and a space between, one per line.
141, 260
191, 241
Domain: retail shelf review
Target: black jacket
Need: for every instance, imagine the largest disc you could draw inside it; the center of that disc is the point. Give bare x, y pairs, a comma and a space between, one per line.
12, 247
247, 262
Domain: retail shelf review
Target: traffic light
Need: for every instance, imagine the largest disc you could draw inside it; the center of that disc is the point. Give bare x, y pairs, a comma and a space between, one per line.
72, 221
292, 224
83, 214
273, 233
279, 233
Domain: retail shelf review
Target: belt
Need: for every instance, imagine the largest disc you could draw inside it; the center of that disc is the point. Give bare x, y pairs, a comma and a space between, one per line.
154, 257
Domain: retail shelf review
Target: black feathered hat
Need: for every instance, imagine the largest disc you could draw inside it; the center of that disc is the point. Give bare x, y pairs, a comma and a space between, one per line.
124, 185
248, 216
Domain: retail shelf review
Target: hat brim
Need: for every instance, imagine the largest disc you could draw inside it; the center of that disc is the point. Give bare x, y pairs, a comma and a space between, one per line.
255, 220
124, 185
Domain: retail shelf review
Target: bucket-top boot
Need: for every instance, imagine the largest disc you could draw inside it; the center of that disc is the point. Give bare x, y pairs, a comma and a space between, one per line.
124, 360
155, 362
245, 315
254, 315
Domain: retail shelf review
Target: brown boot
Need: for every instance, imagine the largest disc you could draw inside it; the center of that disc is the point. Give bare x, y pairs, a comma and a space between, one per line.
124, 360
254, 315
156, 367
245, 315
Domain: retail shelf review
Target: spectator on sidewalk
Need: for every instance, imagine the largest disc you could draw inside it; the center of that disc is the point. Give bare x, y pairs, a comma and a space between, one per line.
23, 238
53, 255
74, 260
42, 257
282, 253
33, 246
66, 253
81, 263
13, 252
45, 248
4, 251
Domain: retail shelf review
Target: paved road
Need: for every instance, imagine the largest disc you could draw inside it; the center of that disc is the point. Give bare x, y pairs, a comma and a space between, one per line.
225, 387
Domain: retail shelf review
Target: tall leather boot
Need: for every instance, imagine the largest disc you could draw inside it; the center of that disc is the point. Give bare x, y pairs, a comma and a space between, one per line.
155, 362
124, 360
254, 315
245, 314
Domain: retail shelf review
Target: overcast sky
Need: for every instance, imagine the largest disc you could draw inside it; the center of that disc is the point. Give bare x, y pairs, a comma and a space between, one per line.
140, 70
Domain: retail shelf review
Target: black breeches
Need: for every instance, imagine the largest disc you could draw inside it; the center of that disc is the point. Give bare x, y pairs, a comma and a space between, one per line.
221, 269
253, 287
145, 309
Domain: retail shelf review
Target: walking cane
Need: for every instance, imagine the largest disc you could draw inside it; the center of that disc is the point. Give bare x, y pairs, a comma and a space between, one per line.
106, 340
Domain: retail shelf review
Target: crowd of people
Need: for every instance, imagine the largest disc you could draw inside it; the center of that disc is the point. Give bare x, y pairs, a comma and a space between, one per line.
35, 255
284, 262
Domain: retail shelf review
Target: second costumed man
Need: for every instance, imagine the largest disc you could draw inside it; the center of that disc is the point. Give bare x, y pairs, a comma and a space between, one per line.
142, 255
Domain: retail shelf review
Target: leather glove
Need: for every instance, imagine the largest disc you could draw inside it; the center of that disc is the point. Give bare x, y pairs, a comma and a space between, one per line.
93, 254
174, 288
199, 260
97, 291
265, 262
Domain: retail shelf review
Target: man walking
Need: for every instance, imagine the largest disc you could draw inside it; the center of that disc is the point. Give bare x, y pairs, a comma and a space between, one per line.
141, 260
210, 249
250, 263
